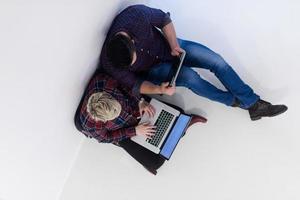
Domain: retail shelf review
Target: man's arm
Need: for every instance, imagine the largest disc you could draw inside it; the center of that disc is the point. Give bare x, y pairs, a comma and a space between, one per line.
125, 78
138, 86
150, 88
162, 20
153, 16
170, 34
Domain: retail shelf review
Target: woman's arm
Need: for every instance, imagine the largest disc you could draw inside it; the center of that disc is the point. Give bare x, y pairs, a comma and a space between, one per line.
107, 136
104, 135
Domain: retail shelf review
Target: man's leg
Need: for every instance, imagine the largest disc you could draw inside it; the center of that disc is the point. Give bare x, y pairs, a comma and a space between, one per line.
147, 158
200, 56
190, 79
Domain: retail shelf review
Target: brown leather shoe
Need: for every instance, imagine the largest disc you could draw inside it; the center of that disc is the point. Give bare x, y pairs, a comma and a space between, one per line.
195, 119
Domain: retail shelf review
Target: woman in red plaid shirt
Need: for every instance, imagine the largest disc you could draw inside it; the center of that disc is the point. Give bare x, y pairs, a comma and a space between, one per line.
110, 113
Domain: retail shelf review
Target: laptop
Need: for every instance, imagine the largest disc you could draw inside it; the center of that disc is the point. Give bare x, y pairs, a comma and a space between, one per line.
170, 126
176, 66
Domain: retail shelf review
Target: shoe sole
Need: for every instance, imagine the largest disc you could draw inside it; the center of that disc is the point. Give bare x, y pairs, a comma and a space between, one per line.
259, 117
153, 172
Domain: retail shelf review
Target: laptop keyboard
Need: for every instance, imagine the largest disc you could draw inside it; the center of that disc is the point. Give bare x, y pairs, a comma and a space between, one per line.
162, 124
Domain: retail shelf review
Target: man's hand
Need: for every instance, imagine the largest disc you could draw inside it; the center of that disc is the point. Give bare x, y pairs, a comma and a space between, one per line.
145, 107
177, 51
166, 89
145, 129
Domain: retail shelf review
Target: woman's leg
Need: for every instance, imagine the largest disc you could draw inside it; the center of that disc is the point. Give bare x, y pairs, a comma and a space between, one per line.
200, 56
144, 156
190, 79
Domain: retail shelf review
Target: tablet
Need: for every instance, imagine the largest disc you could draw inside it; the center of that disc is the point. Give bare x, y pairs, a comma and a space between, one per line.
177, 63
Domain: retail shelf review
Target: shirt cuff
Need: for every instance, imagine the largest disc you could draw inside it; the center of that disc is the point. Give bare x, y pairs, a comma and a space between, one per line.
136, 88
130, 131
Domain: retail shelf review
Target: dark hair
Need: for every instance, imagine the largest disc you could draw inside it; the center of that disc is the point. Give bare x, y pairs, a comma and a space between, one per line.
120, 50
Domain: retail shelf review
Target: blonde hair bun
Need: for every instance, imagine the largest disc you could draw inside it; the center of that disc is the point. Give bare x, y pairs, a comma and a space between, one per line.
102, 106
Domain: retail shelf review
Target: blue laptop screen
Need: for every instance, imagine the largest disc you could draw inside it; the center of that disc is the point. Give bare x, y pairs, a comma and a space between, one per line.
175, 136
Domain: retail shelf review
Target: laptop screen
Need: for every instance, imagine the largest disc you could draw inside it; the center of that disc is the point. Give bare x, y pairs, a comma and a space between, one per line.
174, 136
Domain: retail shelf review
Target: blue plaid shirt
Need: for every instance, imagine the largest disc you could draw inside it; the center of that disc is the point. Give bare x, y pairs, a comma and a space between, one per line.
141, 23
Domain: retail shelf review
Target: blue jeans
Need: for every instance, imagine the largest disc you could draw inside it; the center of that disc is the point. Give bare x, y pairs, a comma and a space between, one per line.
199, 56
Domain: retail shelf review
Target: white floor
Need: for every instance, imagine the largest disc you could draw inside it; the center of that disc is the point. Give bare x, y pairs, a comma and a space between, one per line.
48, 51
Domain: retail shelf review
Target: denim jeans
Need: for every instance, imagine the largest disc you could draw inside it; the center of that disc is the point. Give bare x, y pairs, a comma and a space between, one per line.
199, 56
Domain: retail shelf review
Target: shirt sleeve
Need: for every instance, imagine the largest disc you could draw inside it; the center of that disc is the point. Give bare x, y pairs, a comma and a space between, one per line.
126, 79
111, 85
155, 17
106, 136
101, 133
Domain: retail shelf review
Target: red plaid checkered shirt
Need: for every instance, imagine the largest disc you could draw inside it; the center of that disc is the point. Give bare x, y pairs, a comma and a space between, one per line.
119, 128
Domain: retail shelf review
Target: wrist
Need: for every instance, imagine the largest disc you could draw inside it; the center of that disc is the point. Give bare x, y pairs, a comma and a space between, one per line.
160, 89
136, 129
174, 47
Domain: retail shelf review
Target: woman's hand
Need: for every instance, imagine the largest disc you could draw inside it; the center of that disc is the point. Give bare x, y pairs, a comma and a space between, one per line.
145, 107
145, 129
166, 89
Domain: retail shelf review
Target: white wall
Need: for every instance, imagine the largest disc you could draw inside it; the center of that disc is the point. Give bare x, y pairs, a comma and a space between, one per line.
230, 157
48, 51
